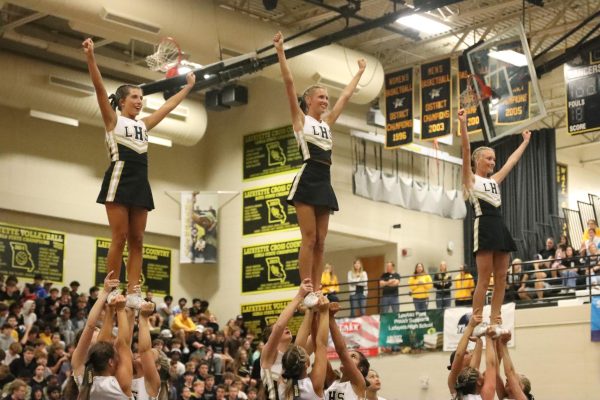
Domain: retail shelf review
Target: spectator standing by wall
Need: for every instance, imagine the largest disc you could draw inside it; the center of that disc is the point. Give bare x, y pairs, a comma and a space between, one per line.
357, 285
443, 285
389, 282
420, 286
329, 283
464, 284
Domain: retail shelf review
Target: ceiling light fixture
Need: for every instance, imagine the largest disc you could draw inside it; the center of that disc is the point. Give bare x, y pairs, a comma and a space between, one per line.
509, 56
423, 24
53, 118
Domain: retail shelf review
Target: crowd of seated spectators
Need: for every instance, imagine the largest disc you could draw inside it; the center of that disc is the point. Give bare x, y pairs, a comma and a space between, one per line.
39, 324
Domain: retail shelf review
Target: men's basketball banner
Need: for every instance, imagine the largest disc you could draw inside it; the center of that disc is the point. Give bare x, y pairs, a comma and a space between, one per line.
271, 266
26, 251
359, 334
412, 331
473, 121
514, 108
436, 99
156, 267
398, 108
456, 319
266, 210
595, 308
198, 241
271, 152
257, 316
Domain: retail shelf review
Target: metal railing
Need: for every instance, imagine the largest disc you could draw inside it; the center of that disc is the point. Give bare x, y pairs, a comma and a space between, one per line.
527, 288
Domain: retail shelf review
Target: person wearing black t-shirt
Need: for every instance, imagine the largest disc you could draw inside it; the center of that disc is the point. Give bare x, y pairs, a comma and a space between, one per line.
549, 250
389, 282
443, 284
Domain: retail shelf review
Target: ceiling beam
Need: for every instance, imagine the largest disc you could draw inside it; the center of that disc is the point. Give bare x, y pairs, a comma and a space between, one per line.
20, 22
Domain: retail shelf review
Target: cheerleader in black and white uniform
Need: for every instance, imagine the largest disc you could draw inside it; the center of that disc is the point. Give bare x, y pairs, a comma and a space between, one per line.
125, 189
311, 191
492, 240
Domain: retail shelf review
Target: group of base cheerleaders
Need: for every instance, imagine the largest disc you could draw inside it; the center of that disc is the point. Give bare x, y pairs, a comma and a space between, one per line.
104, 367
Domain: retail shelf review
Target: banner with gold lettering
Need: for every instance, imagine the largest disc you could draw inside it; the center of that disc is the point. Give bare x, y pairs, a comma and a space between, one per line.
257, 316
514, 108
436, 99
199, 223
270, 267
271, 152
27, 251
398, 108
562, 184
156, 267
473, 122
266, 210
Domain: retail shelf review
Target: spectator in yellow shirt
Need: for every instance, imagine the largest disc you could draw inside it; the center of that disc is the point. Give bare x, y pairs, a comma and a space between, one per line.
329, 283
464, 284
420, 286
182, 324
591, 224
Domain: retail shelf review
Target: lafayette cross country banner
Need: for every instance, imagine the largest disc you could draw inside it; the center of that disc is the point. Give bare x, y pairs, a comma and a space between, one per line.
359, 334
456, 319
199, 222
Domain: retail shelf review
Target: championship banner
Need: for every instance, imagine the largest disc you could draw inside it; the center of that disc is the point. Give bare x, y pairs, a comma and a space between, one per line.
436, 99
271, 152
270, 267
595, 318
456, 319
156, 267
473, 122
359, 333
562, 183
412, 331
266, 210
257, 316
515, 108
199, 223
26, 251
582, 79
398, 108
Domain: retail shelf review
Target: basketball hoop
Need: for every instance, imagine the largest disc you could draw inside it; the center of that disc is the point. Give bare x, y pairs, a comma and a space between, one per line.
470, 98
167, 56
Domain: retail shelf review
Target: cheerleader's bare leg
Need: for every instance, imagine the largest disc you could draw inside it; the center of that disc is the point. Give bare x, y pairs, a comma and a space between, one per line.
322, 214
118, 220
501, 259
485, 266
135, 242
307, 220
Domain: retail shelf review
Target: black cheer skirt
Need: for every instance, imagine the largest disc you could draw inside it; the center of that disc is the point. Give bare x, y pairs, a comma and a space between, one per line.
312, 185
490, 233
126, 182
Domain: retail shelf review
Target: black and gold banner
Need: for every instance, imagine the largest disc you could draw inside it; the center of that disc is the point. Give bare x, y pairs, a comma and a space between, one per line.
514, 109
266, 210
436, 99
257, 316
271, 152
26, 251
269, 267
473, 121
562, 184
582, 78
156, 267
399, 108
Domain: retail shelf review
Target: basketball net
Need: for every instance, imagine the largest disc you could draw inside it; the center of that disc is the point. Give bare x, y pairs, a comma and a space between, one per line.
166, 58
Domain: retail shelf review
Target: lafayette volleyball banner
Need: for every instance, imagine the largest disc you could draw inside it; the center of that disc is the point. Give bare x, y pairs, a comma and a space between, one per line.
198, 241
360, 333
456, 320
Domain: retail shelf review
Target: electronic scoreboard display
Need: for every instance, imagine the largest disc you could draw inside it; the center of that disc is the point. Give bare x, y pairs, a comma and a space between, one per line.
582, 81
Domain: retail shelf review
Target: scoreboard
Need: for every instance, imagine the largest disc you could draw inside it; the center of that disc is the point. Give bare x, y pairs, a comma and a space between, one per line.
582, 83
